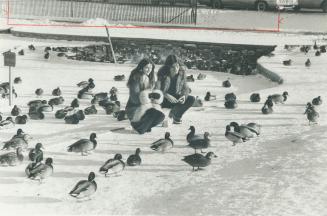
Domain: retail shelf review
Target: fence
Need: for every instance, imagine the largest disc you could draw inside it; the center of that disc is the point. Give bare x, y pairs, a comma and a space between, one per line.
139, 11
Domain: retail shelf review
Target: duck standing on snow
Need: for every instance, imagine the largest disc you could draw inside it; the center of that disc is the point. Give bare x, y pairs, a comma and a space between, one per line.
308, 63
83, 146
312, 114
56, 92
41, 171
235, 137
46, 55
230, 97
226, 83
200, 143
201, 76
71, 119
113, 166
192, 136
31, 47
12, 158
163, 144
287, 62
21, 119
90, 110
119, 78
254, 127
198, 160
277, 98
36, 153
255, 97
18, 80
317, 53
16, 111
209, 97
84, 188
19, 134
84, 84
56, 101
317, 101
75, 103
35, 113
39, 92
7, 123
17, 142
135, 159
190, 78
246, 132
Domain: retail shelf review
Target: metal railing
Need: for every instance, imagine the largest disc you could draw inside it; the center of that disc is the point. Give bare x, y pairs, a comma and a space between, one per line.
126, 11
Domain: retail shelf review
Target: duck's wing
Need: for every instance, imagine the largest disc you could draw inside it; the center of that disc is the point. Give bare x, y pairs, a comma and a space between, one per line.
80, 143
158, 143
79, 187
109, 164
36, 170
7, 158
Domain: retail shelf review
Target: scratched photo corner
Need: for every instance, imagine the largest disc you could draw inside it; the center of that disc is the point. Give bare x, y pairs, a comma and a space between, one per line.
163, 107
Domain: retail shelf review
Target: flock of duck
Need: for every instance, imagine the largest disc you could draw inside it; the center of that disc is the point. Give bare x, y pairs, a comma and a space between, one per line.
39, 170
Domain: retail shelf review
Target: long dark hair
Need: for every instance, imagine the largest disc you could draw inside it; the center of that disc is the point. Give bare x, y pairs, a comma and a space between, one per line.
164, 71
137, 72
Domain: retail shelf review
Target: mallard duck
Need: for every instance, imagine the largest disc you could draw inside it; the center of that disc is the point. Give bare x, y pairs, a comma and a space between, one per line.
113, 166
135, 159
267, 110
84, 93
256, 128
84, 188
36, 153
90, 110
308, 63
101, 96
21, 52
45, 108
83, 146
317, 53
12, 158
201, 76
312, 114
31, 47
119, 78
80, 114
190, 78
56, 101
287, 62
198, 160
230, 104
209, 97
46, 55
277, 98
246, 132
317, 101
56, 92
16, 111
39, 92
37, 103
35, 114
75, 103
18, 80
17, 142
191, 135
41, 171
71, 119
60, 114
7, 123
255, 97
197, 102
200, 143
226, 83
162, 144
112, 107
230, 97
21, 119
234, 136
19, 133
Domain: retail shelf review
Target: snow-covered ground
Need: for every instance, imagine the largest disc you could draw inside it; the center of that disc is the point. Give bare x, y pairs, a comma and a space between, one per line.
282, 172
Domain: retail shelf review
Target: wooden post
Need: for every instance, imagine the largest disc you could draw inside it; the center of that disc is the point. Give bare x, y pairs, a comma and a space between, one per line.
10, 87
111, 48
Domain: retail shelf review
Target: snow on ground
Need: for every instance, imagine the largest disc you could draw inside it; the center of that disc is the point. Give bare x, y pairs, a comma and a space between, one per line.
282, 172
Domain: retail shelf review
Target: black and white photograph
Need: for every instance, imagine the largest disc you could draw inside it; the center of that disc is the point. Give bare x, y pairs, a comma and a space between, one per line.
163, 107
